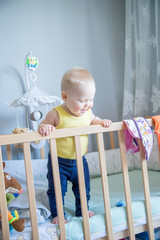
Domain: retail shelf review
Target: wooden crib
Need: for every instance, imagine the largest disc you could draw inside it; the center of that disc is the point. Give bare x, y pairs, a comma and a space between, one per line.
26, 138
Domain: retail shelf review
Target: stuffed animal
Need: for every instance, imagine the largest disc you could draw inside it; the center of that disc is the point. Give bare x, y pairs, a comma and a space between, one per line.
19, 130
13, 189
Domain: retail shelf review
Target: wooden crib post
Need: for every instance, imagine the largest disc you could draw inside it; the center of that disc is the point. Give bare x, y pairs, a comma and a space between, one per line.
82, 189
57, 187
3, 203
146, 192
30, 189
105, 187
126, 184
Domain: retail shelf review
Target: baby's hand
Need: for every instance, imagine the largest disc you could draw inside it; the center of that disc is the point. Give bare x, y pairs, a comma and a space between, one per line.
106, 123
45, 129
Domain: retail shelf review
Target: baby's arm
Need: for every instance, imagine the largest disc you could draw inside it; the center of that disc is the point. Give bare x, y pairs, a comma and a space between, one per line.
104, 122
49, 123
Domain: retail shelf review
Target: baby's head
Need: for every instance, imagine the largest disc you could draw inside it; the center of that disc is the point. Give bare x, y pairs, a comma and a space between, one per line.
75, 78
78, 86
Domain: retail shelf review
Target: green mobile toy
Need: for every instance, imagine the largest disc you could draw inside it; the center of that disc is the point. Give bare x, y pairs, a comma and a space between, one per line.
32, 63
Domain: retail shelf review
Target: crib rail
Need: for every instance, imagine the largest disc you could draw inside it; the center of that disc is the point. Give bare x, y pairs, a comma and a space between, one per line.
26, 138
33, 136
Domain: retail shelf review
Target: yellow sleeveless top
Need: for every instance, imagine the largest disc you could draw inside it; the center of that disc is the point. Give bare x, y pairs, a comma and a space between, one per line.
66, 146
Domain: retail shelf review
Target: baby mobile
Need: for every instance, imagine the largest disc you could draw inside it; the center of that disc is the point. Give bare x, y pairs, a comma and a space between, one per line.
33, 98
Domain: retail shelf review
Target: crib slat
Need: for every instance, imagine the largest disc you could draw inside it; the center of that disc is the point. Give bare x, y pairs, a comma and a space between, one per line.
126, 184
30, 189
57, 186
112, 140
3, 203
9, 154
146, 192
42, 153
82, 189
105, 187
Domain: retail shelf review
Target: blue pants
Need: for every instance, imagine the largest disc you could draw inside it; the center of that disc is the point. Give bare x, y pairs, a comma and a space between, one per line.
68, 172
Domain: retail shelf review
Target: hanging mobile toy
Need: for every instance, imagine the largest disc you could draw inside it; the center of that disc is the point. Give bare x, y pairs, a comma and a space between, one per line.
32, 63
34, 97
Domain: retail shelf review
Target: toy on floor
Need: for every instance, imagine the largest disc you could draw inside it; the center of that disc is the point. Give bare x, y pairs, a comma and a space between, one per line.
13, 189
120, 203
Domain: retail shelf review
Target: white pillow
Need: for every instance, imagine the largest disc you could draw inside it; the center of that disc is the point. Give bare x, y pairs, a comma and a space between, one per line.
154, 162
113, 162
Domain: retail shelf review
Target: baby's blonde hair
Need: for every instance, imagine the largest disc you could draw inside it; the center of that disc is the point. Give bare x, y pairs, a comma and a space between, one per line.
76, 76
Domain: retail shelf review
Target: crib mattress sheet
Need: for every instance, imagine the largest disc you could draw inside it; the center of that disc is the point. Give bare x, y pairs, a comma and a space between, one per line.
97, 222
118, 214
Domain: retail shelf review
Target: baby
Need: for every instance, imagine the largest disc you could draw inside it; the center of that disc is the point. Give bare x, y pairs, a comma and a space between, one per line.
77, 91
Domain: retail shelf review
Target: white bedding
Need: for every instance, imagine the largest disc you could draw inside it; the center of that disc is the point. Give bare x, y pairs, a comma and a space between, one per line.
22, 205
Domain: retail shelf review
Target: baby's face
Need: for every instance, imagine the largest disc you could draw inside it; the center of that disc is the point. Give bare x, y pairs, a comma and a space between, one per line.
80, 98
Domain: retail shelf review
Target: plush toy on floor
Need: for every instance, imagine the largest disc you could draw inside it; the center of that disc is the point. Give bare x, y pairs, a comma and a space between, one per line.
13, 189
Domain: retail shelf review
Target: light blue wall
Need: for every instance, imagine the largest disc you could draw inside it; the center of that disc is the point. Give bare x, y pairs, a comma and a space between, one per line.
62, 34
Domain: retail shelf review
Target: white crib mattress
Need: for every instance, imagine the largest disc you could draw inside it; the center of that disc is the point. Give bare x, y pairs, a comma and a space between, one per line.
74, 230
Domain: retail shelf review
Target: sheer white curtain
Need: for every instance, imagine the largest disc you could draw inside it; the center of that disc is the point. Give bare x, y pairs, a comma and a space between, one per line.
142, 59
